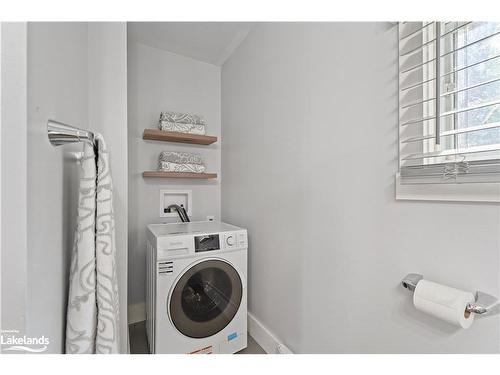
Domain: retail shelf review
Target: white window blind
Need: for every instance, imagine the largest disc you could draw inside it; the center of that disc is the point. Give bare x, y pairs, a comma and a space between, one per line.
449, 102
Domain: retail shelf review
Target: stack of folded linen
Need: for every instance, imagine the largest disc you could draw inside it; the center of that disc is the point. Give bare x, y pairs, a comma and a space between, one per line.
182, 122
171, 161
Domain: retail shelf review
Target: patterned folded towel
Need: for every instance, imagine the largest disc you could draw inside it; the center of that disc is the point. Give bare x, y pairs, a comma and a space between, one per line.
182, 118
185, 167
180, 157
181, 127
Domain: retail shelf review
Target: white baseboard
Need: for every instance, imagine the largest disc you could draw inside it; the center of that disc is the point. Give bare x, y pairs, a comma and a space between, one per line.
265, 338
136, 313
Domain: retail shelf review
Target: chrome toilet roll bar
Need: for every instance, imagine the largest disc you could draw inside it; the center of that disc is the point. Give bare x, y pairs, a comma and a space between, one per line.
484, 304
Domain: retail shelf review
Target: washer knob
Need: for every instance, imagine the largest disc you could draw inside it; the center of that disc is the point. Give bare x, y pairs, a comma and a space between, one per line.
230, 241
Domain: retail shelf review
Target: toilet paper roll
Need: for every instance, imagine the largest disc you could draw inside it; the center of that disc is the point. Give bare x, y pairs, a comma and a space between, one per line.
444, 302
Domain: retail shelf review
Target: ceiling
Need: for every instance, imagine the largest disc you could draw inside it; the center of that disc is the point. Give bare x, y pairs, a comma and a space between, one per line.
211, 42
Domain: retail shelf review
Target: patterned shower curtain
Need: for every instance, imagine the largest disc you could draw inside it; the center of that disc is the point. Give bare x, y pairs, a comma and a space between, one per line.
92, 323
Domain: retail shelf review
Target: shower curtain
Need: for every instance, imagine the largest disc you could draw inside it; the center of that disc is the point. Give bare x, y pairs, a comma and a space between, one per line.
92, 323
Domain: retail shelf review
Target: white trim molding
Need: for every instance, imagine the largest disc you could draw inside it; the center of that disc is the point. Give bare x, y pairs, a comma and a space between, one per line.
466, 192
265, 338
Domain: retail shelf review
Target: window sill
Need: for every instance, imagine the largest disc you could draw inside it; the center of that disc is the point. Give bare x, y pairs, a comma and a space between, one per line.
484, 192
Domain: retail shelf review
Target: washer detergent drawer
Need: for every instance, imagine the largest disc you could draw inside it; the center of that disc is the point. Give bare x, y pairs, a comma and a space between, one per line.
175, 246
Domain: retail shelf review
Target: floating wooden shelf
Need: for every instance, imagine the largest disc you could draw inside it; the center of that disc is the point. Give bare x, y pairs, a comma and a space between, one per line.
162, 135
162, 174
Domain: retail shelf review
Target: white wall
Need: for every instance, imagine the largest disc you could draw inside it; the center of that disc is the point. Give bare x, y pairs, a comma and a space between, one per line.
76, 74
159, 81
13, 129
309, 156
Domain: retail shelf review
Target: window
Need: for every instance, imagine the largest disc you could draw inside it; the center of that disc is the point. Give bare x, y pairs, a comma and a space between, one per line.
449, 103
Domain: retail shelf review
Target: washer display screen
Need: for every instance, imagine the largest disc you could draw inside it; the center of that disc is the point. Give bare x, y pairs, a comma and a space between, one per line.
206, 243
206, 298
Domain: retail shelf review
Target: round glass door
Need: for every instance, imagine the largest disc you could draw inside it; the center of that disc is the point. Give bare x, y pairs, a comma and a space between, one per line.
206, 298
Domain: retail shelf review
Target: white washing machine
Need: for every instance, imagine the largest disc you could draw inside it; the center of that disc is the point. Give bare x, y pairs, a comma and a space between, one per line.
196, 288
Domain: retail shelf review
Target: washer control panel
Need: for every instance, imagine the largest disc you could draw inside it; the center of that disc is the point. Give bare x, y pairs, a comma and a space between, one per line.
207, 242
201, 238
226, 241
235, 240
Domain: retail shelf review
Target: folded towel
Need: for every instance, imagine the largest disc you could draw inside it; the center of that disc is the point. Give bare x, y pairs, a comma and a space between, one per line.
180, 157
176, 167
182, 128
182, 118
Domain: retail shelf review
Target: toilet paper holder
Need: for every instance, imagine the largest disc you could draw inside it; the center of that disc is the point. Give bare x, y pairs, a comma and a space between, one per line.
484, 304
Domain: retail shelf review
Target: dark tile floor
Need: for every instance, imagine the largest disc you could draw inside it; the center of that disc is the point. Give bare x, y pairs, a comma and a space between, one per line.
252, 347
139, 343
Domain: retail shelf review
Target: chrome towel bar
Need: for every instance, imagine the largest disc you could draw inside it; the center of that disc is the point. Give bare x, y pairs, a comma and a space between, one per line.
484, 304
61, 134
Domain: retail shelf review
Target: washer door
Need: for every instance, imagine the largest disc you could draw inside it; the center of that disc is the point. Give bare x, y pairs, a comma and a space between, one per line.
206, 298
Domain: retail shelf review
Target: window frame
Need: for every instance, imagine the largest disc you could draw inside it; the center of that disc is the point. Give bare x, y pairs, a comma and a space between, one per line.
487, 192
